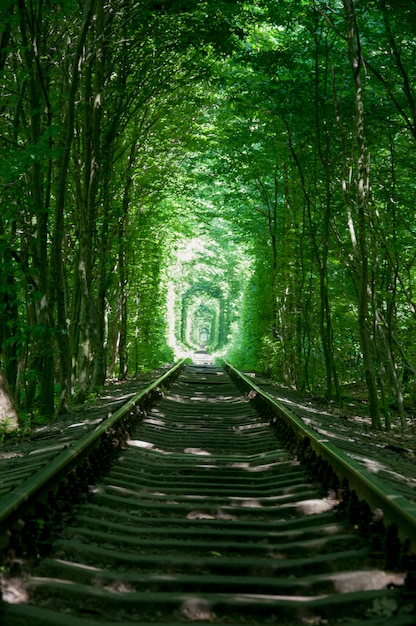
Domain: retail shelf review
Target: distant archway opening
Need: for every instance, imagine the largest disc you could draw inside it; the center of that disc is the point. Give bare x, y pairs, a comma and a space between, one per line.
202, 317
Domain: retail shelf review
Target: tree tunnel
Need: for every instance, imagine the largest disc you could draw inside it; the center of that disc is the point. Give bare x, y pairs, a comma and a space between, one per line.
203, 320
205, 286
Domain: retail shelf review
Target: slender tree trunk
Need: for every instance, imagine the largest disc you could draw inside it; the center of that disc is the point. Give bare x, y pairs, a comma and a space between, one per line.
103, 282
100, 175
122, 280
58, 283
40, 205
122, 264
323, 147
9, 318
92, 163
272, 227
321, 256
390, 365
362, 202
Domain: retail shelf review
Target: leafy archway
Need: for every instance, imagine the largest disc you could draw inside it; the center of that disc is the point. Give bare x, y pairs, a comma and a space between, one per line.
202, 318
206, 280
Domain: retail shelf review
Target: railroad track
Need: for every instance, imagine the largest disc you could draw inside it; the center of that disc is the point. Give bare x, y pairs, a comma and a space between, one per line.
210, 513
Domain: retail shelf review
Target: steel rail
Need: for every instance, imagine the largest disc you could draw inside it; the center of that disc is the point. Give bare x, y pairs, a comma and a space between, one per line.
68, 458
396, 508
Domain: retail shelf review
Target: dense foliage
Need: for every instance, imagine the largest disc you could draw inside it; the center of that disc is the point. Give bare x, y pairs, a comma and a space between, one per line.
232, 174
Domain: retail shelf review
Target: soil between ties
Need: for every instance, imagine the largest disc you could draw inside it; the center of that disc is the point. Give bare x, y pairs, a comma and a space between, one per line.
206, 517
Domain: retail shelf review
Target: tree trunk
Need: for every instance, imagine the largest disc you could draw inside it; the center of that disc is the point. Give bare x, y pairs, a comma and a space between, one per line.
104, 280
9, 319
58, 284
8, 415
122, 262
323, 146
362, 188
321, 256
39, 198
92, 173
122, 279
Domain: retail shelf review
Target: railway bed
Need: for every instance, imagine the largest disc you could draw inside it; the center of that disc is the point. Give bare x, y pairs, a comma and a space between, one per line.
214, 504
